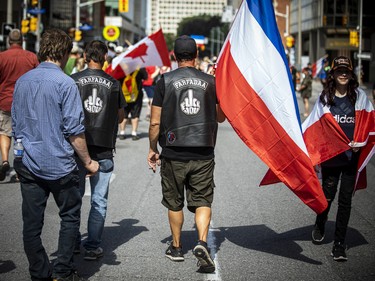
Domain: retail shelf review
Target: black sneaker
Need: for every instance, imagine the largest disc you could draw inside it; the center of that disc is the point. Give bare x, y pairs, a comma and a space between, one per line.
77, 249
72, 277
317, 234
92, 255
338, 252
121, 137
135, 137
3, 170
202, 253
174, 253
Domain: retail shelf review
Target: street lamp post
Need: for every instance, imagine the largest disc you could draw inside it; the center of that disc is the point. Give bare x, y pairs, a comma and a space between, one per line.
78, 8
360, 42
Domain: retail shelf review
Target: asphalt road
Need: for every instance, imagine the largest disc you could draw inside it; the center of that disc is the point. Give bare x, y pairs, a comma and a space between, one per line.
257, 233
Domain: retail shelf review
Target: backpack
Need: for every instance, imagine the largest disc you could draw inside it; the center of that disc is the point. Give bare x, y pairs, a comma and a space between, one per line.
130, 87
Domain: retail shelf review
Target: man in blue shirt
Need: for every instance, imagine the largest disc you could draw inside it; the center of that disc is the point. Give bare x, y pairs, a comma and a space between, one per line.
47, 116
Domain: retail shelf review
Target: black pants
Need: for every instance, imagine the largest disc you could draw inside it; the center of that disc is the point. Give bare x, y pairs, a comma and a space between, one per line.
331, 177
35, 192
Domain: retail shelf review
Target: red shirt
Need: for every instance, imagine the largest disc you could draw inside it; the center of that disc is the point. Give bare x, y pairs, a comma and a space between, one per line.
13, 64
150, 70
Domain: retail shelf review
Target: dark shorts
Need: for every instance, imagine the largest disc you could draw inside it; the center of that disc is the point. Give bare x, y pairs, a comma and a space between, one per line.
149, 91
194, 176
134, 108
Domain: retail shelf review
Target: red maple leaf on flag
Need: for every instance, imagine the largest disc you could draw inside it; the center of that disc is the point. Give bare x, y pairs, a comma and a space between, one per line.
138, 52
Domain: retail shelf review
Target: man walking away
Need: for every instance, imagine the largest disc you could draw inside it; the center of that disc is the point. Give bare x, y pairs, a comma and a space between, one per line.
47, 116
103, 105
184, 118
13, 64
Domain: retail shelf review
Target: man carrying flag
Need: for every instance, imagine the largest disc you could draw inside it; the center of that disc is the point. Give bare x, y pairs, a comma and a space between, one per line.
151, 50
339, 135
256, 93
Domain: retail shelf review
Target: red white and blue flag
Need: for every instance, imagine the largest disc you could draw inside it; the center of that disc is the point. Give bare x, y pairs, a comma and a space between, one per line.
150, 51
255, 90
321, 130
317, 66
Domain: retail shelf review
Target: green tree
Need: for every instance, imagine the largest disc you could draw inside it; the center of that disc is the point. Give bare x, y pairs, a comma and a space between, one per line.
199, 25
202, 25
169, 39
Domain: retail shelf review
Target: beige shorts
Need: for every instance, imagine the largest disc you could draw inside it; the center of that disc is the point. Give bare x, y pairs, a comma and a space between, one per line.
5, 123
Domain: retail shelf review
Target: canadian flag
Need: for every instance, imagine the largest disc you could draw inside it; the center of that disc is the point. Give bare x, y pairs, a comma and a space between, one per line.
150, 51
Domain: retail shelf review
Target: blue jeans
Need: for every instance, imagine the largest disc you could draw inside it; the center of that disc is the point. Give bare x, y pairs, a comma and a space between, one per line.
99, 196
35, 192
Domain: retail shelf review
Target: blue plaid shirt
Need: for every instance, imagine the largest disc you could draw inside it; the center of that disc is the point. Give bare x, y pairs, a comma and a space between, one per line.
46, 110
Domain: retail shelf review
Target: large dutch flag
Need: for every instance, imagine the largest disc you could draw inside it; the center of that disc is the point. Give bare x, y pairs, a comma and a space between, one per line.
255, 91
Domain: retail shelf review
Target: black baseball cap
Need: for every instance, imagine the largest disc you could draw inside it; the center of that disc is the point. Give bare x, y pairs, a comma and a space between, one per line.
341, 62
185, 47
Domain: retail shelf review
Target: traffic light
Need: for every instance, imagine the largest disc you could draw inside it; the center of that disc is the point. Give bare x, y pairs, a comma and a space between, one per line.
202, 47
353, 38
123, 6
33, 24
78, 35
25, 26
289, 41
34, 2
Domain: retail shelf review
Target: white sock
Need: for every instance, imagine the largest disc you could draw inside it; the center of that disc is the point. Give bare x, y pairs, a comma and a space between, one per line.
122, 132
134, 133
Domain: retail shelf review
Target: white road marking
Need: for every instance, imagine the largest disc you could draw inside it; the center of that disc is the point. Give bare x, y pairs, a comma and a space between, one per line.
211, 241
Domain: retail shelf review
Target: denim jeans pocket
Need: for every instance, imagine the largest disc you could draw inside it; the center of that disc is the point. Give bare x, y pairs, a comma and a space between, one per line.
106, 165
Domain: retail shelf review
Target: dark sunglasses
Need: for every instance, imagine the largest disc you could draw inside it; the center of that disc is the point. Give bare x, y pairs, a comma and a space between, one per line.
342, 72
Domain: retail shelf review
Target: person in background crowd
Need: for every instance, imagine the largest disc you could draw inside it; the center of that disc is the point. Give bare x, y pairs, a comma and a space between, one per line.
306, 89
47, 116
309, 66
75, 54
184, 122
80, 65
103, 104
149, 86
294, 72
323, 75
134, 108
13, 63
343, 97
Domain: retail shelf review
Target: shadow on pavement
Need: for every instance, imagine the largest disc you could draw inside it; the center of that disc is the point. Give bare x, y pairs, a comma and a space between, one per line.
113, 237
262, 238
6, 266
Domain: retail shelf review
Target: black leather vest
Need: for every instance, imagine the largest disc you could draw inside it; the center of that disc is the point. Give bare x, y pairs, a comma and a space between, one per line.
100, 101
188, 117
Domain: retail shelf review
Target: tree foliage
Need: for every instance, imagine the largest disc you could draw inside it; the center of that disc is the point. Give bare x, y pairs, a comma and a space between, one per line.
203, 25
199, 25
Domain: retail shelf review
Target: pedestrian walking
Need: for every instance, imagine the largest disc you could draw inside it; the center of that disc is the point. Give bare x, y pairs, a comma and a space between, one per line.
306, 89
184, 116
103, 105
343, 97
13, 64
75, 54
149, 86
47, 117
132, 89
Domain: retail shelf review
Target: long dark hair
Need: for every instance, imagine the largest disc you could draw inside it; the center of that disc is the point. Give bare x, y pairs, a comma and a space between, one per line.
328, 93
